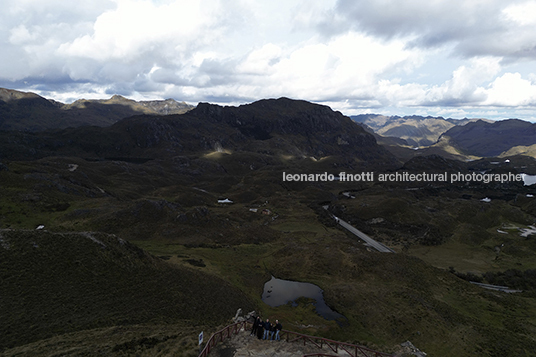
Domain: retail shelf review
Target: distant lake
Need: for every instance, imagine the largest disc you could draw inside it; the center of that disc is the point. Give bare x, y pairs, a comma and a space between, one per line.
529, 179
279, 292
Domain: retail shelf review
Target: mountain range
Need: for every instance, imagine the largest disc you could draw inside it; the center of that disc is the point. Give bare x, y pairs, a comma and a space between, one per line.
23, 111
415, 130
274, 128
453, 138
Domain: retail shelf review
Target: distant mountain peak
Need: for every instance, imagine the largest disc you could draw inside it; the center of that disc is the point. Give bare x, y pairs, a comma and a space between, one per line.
8, 95
26, 111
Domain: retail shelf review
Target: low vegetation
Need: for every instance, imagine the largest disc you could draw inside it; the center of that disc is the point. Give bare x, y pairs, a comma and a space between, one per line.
116, 240
56, 284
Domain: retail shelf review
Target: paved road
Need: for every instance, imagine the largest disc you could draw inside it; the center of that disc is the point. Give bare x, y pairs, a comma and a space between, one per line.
371, 242
505, 289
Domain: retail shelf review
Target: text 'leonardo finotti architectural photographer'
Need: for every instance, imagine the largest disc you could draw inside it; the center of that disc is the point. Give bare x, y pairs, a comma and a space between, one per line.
402, 177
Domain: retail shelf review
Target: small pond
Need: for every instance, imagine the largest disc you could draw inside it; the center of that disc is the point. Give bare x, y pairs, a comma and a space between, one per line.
279, 292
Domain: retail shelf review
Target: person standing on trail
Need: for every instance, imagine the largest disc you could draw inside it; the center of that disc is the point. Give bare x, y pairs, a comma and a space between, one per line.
278, 328
266, 330
255, 326
272, 331
259, 329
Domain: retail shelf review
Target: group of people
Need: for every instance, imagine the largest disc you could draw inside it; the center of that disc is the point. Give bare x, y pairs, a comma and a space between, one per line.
266, 330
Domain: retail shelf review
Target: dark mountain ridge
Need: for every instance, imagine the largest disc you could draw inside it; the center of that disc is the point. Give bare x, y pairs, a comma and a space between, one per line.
21, 111
315, 129
492, 139
272, 127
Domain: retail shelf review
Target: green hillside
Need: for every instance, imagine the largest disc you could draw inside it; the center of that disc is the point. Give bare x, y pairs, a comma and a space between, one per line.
63, 283
138, 254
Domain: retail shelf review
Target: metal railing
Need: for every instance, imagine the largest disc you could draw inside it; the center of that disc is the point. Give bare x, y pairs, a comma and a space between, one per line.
335, 346
221, 335
320, 342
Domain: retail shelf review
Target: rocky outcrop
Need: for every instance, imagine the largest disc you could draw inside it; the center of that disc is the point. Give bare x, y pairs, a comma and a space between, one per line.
409, 350
298, 127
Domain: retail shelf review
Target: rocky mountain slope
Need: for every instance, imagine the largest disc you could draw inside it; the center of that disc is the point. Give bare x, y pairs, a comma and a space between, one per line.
416, 130
492, 139
160, 107
465, 139
30, 112
274, 128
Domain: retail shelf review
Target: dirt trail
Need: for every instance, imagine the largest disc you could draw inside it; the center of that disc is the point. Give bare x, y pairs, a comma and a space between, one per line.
244, 345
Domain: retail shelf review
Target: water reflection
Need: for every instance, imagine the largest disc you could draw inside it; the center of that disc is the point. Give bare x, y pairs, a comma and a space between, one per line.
279, 292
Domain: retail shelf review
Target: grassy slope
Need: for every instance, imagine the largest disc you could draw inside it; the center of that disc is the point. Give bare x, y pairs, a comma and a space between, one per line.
151, 340
386, 298
520, 150
58, 283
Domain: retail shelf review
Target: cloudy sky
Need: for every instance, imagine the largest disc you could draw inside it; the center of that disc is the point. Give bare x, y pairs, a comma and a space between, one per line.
453, 58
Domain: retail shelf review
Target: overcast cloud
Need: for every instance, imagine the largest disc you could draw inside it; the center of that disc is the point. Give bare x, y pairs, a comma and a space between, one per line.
452, 58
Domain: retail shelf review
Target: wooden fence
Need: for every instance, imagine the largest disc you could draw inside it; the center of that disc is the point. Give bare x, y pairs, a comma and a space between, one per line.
335, 346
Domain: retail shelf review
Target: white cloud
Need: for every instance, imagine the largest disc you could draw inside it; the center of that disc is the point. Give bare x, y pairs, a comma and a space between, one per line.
135, 27
349, 54
464, 86
523, 14
395, 94
475, 28
261, 61
511, 90
21, 35
347, 65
